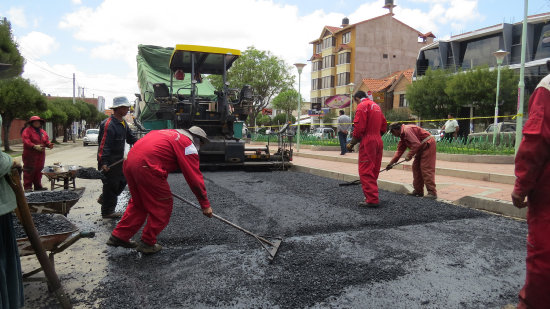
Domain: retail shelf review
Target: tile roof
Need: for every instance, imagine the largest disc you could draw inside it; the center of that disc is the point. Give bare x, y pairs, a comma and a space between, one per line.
332, 29
377, 85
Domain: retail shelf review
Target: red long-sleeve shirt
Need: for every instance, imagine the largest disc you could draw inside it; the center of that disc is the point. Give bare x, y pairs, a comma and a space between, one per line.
368, 120
164, 151
31, 137
532, 160
411, 137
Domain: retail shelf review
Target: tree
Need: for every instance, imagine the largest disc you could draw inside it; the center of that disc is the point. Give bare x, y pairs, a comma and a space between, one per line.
282, 118
18, 99
329, 117
9, 54
263, 120
399, 114
72, 112
427, 97
265, 73
56, 116
286, 101
478, 87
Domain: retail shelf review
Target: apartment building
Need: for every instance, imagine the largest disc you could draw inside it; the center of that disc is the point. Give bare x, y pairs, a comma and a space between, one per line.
372, 48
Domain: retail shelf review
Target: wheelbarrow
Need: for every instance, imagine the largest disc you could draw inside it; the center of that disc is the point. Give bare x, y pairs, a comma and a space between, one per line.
61, 173
57, 207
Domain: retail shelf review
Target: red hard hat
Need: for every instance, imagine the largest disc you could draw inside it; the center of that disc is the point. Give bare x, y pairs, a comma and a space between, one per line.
35, 118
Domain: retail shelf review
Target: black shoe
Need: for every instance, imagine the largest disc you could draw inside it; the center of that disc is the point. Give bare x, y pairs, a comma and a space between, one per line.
100, 199
40, 189
117, 242
370, 205
414, 193
147, 249
113, 215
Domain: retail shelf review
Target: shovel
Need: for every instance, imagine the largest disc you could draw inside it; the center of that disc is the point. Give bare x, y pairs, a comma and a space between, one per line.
270, 246
358, 181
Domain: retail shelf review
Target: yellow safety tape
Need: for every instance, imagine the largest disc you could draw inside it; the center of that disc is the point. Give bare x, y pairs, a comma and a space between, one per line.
405, 121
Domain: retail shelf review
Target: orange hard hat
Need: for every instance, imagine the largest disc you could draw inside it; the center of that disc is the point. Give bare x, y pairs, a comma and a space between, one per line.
35, 118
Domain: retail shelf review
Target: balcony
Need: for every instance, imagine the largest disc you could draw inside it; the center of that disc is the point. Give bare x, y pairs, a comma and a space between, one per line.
328, 72
327, 92
343, 68
315, 74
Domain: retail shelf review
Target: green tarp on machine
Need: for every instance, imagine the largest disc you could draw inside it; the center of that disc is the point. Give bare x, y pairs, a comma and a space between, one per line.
153, 67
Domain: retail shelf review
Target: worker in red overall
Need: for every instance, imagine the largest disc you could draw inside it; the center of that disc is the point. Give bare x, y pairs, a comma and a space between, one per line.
35, 141
423, 149
533, 182
369, 125
146, 169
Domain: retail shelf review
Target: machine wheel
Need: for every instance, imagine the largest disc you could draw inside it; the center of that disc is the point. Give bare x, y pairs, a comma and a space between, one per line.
84, 144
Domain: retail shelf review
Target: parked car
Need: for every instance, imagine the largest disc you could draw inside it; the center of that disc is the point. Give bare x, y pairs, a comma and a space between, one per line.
90, 137
324, 133
506, 131
436, 133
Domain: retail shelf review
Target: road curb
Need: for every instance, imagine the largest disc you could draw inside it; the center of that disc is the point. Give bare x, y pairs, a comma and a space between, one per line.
496, 206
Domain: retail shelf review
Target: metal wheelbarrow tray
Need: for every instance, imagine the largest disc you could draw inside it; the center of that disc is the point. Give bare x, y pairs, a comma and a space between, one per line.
57, 207
52, 241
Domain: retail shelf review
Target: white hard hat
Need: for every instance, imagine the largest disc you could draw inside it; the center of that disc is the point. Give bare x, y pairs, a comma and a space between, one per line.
199, 133
120, 102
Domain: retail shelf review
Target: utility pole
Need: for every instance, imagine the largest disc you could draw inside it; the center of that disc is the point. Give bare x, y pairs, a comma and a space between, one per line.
73, 88
521, 84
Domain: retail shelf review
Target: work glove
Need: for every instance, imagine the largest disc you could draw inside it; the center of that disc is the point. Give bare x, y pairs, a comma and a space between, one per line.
352, 143
38, 148
408, 158
389, 166
50, 146
518, 200
104, 168
207, 212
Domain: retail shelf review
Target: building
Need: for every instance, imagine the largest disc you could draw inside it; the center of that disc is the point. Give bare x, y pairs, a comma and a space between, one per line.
389, 91
101, 104
372, 48
476, 48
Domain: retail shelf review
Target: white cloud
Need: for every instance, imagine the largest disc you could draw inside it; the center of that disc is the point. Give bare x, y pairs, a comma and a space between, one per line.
76, 1
37, 44
17, 17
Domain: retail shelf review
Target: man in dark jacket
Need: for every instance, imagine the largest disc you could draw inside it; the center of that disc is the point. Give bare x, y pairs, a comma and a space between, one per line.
114, 133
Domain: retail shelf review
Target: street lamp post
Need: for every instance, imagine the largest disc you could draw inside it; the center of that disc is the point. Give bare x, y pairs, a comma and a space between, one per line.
351, 88
300, 67
499, 54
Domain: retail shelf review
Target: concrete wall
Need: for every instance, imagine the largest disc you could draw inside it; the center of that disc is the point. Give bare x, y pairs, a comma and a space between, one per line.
384, 35
399, 89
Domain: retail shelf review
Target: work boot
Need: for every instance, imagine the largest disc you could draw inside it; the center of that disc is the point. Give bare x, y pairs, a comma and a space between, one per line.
431, 196
113, 215
28, 190
40, 189
147, 249
100, 199
117, 242
414, 193
370, 205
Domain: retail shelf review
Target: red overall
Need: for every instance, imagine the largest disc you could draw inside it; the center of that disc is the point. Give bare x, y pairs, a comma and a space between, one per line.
146, 169
533, 181
423, 148
33, 160
368, 126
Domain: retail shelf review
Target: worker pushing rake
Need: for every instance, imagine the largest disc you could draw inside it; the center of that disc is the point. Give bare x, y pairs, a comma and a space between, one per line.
146, 169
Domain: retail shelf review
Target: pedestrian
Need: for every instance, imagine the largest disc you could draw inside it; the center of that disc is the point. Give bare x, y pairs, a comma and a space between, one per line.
149, 162
11, 280
114, 133
533, 182
344, 125
35, 141
450, 127
422, 147
369, 125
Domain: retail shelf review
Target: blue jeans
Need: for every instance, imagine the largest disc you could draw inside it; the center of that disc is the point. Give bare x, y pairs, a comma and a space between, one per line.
342, 137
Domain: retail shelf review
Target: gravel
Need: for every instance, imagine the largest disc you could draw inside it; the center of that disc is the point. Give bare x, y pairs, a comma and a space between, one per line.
408, 253
52, 196
89, 173
46, 224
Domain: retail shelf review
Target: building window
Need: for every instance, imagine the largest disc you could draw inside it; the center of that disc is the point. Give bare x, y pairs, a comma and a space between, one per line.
385, 56
318, 48
479, 52
402, 101
343, 79
329, 42
327, 82
317, 65
346, 37
328, 61
316, 84
344, 58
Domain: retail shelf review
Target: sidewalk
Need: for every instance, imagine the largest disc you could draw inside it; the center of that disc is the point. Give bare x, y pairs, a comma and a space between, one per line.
475, 185
17, 149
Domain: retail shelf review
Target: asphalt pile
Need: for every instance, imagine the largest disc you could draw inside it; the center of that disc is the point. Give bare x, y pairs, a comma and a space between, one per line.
52, 196
46, 224
89, 173
409, 252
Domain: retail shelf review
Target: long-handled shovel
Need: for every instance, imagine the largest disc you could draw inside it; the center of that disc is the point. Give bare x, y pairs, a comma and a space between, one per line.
358, 181
270, 246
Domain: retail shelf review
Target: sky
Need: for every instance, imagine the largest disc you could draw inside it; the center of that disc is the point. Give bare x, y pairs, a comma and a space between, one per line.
97, 39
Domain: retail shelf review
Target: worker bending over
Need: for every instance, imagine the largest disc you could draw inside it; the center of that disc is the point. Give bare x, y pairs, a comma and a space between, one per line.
422, 147
533, 182
369, 125
146, 169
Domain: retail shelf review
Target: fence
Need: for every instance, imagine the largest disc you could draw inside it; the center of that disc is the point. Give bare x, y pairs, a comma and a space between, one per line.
469, 145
